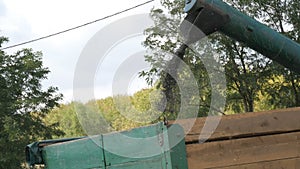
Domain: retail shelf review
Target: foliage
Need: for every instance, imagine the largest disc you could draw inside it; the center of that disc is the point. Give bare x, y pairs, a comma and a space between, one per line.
23, 104
163, 39
106, 115
246, 72
254, 83
126, 112
66, 119
281, 87
252, 79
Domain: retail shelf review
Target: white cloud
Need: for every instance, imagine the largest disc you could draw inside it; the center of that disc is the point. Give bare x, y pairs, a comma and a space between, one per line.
25, 20
2, 9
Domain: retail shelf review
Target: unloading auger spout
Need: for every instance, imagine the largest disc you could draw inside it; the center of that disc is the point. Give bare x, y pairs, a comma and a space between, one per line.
209, 16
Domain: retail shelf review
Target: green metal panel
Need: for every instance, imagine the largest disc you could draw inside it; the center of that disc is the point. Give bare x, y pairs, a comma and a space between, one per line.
136, 146
80, 154
252, 33
33, 151
151, 163
177, 152
151, 147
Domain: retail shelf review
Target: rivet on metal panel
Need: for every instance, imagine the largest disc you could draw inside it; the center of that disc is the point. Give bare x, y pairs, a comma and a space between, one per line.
161, 139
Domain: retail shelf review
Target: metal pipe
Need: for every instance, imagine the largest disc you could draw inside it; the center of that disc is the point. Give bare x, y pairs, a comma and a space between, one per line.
244, 29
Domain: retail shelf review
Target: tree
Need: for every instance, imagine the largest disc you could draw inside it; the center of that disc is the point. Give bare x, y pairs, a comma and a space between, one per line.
125, 112
164, 38
23, 104
282, 87
250, 76
246, 72
66, 118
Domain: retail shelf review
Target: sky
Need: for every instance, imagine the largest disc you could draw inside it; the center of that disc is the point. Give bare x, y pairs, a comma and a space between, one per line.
25, 20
